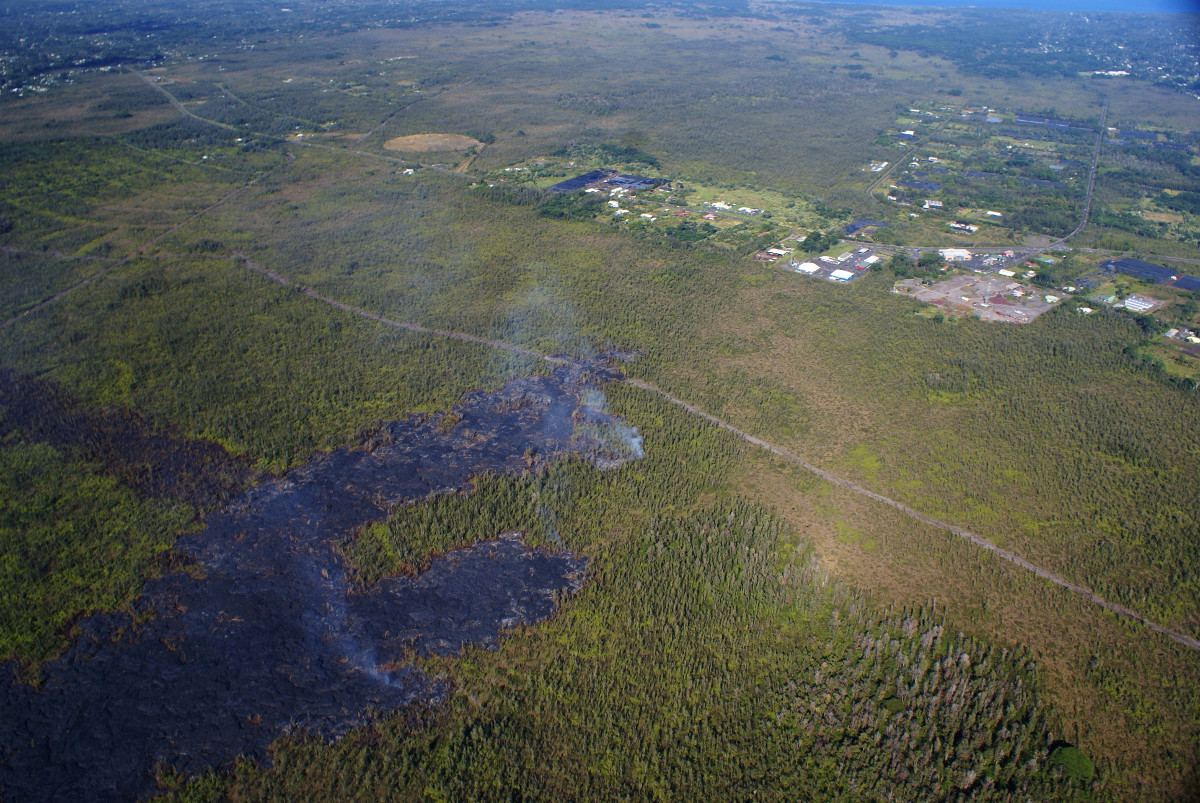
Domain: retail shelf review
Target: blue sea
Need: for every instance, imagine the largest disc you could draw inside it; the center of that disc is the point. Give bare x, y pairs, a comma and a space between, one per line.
1134, 6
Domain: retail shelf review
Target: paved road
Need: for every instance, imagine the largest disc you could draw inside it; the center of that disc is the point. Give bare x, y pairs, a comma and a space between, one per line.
1087, 204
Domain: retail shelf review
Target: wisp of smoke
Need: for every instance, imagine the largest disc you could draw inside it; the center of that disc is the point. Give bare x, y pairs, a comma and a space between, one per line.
612, 432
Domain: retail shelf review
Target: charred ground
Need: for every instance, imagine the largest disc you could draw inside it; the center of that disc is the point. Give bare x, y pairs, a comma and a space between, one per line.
270, 633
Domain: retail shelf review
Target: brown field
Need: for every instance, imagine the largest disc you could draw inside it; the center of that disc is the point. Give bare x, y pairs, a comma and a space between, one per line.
76, 110
424, 143
1162, 217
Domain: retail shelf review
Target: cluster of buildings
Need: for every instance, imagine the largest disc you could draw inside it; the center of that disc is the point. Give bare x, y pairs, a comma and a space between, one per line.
1183, 334
845, 268
724, 207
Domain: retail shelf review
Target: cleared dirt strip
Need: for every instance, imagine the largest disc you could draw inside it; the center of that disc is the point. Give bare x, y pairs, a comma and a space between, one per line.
966, 535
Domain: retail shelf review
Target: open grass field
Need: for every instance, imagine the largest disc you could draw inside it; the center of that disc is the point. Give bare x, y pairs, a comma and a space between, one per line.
1057, 440
424, 143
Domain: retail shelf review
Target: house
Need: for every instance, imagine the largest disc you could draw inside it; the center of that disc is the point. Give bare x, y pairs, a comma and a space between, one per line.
932, 205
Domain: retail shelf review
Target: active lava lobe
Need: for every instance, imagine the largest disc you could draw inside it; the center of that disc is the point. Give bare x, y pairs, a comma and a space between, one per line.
269, 637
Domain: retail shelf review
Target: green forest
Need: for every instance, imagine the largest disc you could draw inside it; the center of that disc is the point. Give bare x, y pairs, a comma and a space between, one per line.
220, 254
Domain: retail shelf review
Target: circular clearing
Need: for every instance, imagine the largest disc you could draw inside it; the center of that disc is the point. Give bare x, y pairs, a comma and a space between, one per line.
431, 142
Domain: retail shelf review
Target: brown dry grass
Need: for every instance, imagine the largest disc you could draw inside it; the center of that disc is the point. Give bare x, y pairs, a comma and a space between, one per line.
898, 561
426, 143
1162, 217
75, 111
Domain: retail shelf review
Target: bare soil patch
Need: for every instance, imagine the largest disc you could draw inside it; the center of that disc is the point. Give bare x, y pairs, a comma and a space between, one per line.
425, 143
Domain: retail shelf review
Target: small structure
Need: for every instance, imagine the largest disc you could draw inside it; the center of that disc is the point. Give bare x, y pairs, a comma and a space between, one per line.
955, 254
1191, 283
1139, 304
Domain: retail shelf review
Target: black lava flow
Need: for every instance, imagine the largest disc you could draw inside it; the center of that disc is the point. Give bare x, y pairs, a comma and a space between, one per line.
271, 635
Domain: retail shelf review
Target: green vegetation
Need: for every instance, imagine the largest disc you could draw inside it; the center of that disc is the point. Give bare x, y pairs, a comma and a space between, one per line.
720, 658
74, 541
188, 340
1075, 765
688, 635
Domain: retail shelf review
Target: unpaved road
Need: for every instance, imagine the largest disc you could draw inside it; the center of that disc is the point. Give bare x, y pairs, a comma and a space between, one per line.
961, 532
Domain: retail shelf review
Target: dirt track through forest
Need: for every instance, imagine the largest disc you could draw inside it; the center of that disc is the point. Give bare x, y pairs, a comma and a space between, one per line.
138, 252
965, 534
961, 532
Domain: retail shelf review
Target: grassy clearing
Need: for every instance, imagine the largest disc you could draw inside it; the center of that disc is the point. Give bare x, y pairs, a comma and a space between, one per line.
1055, 440
422, 143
